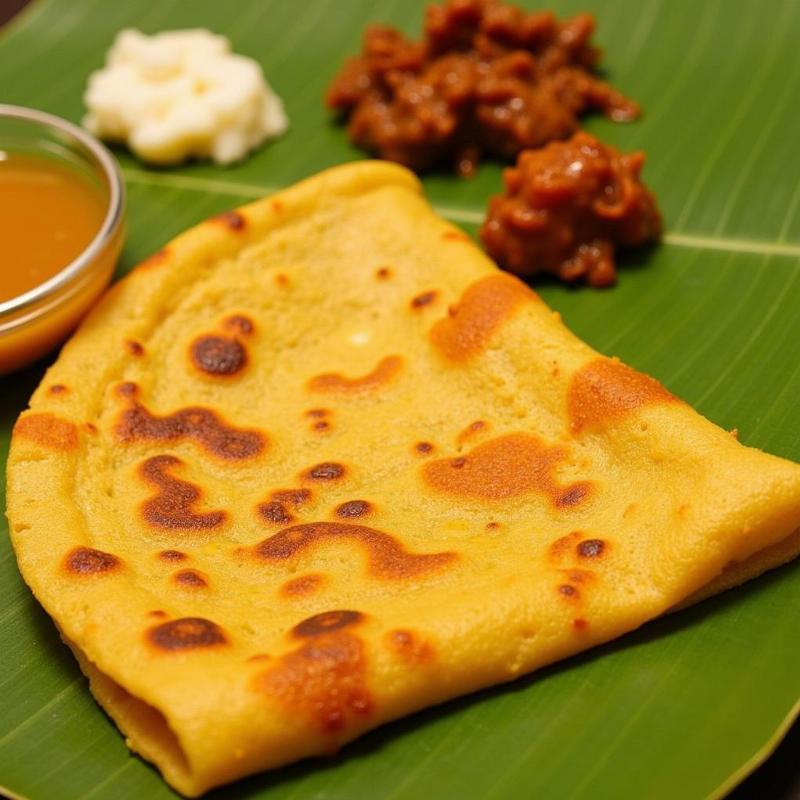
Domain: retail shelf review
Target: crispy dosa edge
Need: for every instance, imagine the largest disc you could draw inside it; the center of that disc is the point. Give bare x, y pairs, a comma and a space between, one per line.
737, 573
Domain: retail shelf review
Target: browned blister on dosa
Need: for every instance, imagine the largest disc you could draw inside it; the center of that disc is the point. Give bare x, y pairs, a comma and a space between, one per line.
202, 425
386, 557
173, 506
351, 470
48, 431
383, 374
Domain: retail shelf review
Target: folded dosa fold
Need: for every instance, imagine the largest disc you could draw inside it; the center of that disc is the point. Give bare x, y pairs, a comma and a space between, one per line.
318, 464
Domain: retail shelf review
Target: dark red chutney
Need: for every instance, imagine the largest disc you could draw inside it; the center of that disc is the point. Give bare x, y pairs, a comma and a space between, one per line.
567, 207
487, 78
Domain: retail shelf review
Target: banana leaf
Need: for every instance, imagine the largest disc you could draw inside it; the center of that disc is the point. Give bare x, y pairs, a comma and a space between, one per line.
688, 705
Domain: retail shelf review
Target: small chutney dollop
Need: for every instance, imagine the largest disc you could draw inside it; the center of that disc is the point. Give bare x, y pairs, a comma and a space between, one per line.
567, 207
487, 79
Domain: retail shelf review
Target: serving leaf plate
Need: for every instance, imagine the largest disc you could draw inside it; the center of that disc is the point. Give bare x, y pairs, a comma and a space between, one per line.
689, 704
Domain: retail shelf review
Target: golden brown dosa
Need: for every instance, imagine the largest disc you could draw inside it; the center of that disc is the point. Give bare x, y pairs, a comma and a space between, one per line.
319, 464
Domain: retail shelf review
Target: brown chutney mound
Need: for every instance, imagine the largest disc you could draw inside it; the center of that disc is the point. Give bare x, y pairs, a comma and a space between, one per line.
487, 78
566, 209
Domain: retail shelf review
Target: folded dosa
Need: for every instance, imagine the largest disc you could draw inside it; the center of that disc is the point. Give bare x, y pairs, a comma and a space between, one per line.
319, 463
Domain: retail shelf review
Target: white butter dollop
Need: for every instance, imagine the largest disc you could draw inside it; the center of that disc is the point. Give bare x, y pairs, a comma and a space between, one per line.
182, 94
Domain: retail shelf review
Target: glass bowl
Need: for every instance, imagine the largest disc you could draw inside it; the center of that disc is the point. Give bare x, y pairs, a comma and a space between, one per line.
33, 323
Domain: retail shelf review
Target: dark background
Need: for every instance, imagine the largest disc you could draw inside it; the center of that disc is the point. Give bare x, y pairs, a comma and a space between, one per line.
778, 778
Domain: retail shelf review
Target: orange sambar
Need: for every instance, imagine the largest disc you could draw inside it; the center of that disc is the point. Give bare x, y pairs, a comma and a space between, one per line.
49, 213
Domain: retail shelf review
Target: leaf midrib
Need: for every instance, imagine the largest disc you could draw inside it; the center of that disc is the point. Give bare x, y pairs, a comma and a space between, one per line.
468, 216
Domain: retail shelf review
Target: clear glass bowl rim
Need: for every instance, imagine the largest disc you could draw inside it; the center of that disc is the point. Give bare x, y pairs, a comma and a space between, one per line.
111, 222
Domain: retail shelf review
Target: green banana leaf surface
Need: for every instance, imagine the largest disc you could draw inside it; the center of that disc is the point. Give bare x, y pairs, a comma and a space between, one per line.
689, 704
